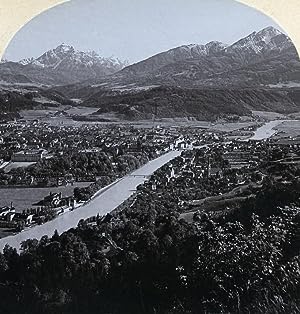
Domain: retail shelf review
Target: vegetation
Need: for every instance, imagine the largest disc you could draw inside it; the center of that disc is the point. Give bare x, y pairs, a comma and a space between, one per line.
203, 104
145, 259
78, 166
12, 101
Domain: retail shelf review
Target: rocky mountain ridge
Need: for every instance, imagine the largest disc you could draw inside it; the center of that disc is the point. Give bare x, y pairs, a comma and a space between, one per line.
59, 66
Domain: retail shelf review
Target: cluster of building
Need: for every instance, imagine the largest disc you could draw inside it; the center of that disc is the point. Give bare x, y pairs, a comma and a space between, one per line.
11, 219
33, 140
47, 209
33, 155
220, 174
206, 156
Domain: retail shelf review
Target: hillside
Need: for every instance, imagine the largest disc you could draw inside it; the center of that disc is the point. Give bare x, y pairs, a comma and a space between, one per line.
171, 102
261, 58
13, 100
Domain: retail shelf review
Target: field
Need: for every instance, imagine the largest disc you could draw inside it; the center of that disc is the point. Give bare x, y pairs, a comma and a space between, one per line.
229, 127
24, 198
268, 115
288, 129
295, 116
51, 116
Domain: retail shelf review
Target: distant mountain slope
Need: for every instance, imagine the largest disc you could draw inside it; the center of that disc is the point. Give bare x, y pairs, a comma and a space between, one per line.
13, 72
265, 43
174, 55
201, 81
204, 65
62, 65
261, 58
84, 65
170, 102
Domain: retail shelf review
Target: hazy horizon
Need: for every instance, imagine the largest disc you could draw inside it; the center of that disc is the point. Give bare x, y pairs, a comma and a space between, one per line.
135, 29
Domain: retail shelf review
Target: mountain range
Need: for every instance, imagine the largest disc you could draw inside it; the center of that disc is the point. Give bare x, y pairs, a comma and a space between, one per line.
62, 65
183, 77
265, 57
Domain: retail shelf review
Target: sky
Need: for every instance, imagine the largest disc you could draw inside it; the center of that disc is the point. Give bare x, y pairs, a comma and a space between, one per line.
135, 29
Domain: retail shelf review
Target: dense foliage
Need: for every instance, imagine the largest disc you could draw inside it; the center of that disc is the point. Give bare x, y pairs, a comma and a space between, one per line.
145, 259
79, 167
202, 104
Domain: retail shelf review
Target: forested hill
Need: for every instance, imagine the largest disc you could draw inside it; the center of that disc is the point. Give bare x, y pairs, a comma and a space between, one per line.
145, 259
168, 102
12, 100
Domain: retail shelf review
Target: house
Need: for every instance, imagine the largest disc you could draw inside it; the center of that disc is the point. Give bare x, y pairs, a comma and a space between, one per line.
28, 156
10, 219
51, 200
5, 211
23, 217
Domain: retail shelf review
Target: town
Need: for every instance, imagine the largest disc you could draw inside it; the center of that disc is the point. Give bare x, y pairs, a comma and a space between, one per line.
38, 155
80, 161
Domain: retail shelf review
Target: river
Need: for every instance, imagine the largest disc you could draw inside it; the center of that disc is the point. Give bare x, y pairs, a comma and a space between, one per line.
111, 197
102, 203
267, 130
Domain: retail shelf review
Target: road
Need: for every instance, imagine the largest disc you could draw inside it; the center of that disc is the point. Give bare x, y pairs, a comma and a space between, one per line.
102, 203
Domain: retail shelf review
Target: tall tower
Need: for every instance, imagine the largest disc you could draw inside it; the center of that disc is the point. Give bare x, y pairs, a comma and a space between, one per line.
208, 168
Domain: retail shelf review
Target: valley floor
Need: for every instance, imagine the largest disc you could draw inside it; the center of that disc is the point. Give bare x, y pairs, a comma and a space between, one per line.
112, 197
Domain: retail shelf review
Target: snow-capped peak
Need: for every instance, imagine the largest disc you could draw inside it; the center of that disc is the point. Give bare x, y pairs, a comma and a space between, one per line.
215, 47
26, 61
270, 32
64, 48
66, 56
215, 43
197, 50
265, 40
78, 65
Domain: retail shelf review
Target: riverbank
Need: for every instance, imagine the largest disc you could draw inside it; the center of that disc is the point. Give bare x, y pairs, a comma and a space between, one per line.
103, 202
